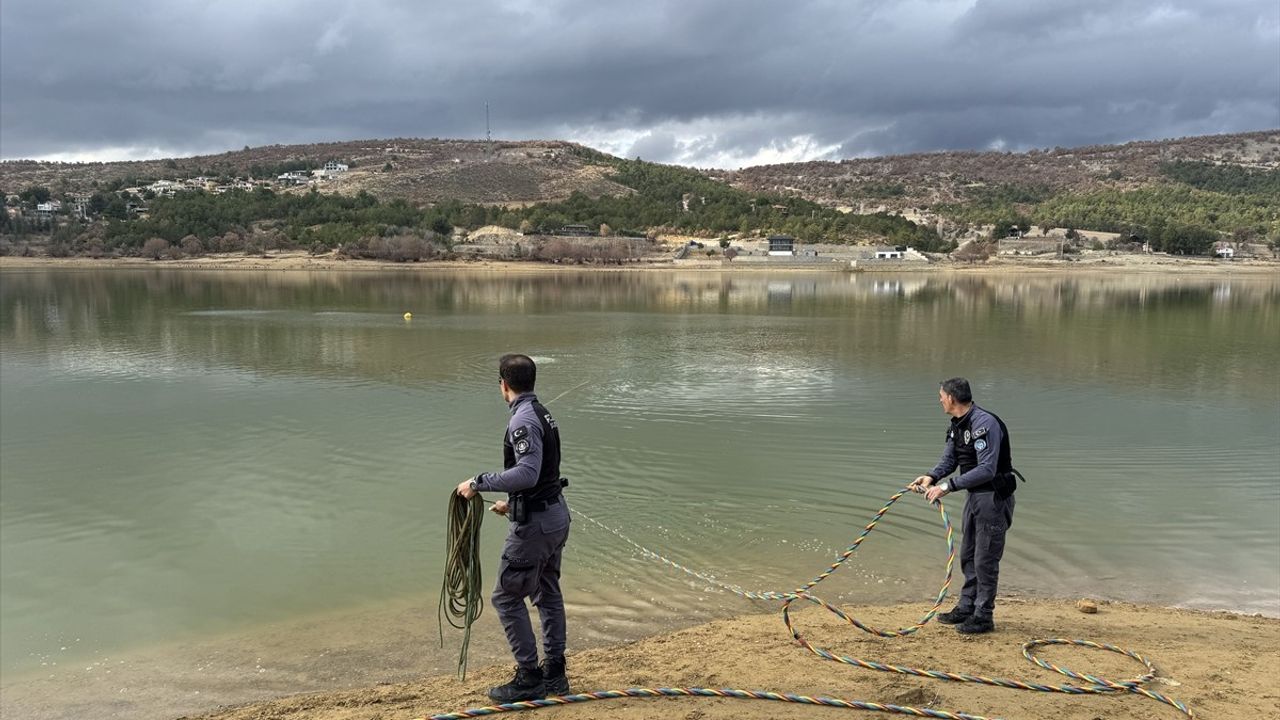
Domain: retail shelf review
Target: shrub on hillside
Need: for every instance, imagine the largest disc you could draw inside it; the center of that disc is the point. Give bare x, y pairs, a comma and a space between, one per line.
976, 251
154, 248
397, 248
563, 249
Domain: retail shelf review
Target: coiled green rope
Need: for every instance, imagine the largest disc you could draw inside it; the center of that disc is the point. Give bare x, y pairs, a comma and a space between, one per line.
460, 601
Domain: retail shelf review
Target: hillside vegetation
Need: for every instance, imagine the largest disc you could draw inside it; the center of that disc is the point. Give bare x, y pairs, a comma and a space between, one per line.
1180, 196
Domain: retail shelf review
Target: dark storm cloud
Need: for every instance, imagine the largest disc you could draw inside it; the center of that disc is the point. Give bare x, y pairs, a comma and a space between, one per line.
705, 83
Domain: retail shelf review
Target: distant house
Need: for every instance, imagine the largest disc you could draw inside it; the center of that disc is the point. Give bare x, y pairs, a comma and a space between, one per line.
166, 188
890, 253
80, 204
291, 178
334, 166
782, 246
1225, 252
47, 210
575, 230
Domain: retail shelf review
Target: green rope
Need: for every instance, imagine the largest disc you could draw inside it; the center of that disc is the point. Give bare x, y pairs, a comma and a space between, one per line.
460, 601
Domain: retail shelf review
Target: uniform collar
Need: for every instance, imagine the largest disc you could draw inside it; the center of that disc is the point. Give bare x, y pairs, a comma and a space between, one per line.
521, 398
966, 416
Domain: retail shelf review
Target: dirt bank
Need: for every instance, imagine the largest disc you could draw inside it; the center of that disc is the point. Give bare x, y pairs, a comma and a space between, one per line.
303, 261
1223, 666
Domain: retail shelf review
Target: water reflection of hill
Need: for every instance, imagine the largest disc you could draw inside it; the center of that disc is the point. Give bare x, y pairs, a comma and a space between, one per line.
1211, 334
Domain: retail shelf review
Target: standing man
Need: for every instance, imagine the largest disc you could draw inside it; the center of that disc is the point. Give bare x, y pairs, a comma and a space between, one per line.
539, 517
977, 442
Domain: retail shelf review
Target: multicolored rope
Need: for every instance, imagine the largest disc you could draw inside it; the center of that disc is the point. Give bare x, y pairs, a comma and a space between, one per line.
1092, 685
705, 692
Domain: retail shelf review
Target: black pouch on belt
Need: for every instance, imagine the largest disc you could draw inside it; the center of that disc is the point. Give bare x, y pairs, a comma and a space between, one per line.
1005, 484
519, 509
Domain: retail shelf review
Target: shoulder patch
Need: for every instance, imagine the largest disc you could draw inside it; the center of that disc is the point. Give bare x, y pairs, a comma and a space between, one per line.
979, 432
980, 445
519, 433
521, 446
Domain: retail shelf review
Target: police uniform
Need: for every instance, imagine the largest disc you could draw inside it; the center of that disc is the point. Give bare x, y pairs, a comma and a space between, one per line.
978, 444
539, 528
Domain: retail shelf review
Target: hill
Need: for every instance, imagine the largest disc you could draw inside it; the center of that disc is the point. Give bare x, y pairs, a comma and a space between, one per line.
420, 171
406, 198
925, 180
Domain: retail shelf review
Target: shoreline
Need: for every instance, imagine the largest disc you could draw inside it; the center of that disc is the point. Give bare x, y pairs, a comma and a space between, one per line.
386, 664
1192, 649
301, 261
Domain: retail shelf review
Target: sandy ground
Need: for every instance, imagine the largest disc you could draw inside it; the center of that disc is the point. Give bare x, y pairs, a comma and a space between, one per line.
303, 261
1221, 665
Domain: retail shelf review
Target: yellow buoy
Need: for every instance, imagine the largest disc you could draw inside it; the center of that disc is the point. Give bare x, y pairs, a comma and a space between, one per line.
408, 316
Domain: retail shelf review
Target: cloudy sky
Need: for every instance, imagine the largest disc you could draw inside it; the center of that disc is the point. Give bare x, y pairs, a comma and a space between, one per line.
714, 83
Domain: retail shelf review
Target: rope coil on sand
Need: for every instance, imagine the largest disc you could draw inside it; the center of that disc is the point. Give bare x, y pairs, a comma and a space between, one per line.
1091, 685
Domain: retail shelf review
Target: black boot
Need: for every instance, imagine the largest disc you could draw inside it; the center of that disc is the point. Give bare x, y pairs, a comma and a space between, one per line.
526, 685
956, 616
976, 626
553, 676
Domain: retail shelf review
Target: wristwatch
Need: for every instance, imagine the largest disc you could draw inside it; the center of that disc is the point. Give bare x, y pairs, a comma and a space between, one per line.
945, 486
473, 485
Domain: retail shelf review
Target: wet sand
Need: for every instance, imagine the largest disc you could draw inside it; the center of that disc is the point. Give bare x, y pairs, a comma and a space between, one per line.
1221, 665
385, 663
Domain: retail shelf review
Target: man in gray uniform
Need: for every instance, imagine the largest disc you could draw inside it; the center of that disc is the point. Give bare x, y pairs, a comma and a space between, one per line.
539, 528
978, 443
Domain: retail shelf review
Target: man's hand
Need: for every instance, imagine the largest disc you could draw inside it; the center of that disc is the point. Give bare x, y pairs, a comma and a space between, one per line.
921, 483
465, 489
499, 507
934, 493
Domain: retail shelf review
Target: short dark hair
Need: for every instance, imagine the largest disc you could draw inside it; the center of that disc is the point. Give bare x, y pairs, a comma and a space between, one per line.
958, 389
519, 372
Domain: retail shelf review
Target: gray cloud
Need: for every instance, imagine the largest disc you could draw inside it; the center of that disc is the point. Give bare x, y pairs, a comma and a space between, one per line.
709, 83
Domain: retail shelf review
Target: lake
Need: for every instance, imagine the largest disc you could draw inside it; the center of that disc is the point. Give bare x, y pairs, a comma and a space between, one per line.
219, 487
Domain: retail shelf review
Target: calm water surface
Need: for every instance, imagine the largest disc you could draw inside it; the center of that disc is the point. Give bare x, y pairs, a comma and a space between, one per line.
221, 487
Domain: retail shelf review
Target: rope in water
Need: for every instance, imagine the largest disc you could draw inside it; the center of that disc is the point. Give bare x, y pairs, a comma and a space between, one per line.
460, 601
1093, 685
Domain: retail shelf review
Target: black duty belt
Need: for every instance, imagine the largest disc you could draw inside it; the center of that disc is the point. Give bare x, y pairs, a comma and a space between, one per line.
540, 505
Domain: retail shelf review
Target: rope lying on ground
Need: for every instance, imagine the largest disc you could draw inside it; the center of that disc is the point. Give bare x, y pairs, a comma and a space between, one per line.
1093, 685
460, 601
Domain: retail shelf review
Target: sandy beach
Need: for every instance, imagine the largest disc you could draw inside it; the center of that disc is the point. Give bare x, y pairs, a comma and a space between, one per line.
298, 260
1220, 665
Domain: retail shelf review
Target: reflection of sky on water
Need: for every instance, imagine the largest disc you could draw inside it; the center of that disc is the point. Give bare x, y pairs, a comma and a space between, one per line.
120, 365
